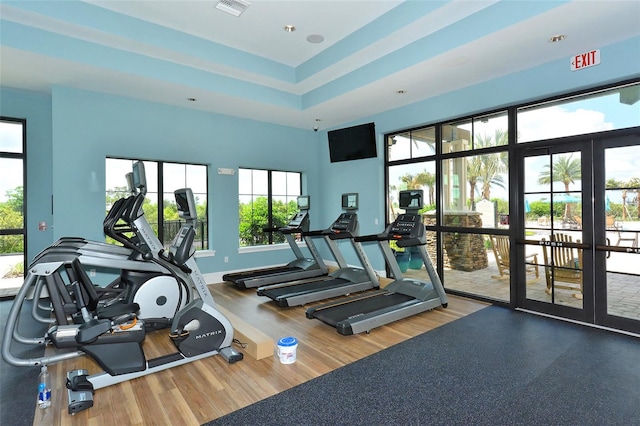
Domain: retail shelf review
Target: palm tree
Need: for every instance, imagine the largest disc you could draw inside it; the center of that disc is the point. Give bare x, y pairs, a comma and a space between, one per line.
430, 182
474, 171
494, 165
566, 170
409, 180
420, 180
634, 186
489, 168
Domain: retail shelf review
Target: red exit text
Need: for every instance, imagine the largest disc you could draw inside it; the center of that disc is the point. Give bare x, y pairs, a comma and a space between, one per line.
585, 60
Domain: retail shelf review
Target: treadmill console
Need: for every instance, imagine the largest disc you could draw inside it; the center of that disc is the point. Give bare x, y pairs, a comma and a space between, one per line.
298, 223
405, 224
409, 228
346, 222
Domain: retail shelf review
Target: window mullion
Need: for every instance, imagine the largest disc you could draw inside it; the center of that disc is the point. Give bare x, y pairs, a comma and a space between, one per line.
270, 205
161, 201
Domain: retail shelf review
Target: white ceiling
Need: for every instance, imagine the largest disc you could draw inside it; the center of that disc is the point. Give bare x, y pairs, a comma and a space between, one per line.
248, 66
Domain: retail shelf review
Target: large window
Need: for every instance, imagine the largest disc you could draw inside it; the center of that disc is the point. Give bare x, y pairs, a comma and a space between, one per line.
462, 168
466, 163
267, 199
163, 178
609, 109
12, 229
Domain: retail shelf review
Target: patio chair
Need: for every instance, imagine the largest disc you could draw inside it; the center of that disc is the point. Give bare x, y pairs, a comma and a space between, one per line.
578, 221
563, 264
501, 246
543, 221
623, 236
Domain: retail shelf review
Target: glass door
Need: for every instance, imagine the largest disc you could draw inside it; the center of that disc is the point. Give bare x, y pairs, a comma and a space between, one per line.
581, 231
617, 230
556, 243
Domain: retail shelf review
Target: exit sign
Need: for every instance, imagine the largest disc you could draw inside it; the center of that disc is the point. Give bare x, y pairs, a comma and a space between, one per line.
585, 60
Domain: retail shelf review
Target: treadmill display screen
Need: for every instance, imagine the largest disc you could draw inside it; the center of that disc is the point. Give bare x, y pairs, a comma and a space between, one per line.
411, 199
303, 202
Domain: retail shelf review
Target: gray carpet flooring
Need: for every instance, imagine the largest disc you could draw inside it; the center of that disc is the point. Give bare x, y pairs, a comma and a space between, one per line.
494, 367
19, 385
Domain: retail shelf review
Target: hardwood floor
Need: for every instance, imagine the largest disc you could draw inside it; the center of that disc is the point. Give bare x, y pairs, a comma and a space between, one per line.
210, 388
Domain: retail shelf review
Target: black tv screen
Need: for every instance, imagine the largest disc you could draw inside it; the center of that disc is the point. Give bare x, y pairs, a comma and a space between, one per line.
352, 143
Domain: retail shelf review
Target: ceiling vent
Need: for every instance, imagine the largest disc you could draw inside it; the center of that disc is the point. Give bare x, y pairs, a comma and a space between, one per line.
234, 7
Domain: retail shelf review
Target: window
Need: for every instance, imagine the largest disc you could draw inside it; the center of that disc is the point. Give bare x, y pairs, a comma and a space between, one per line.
462, 168
163, 178
12, 211
604, 110
412, 144
476, 184
475, 133
267, 199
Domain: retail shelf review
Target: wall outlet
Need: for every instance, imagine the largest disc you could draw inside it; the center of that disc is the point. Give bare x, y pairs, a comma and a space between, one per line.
375, 221
92, 272
226, 259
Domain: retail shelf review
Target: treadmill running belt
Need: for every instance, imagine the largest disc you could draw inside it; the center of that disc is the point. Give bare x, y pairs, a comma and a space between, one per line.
335, 314
247, 275
302, 288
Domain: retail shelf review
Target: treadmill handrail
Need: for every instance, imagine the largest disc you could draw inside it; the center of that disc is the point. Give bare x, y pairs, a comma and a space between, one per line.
341, 235
314, 233
290, 230
371, 237
410, 242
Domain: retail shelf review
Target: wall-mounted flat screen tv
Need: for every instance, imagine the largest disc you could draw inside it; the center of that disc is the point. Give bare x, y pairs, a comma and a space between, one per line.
352, 143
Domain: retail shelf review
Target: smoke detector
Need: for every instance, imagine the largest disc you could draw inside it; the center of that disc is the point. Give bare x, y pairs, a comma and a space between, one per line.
234, 7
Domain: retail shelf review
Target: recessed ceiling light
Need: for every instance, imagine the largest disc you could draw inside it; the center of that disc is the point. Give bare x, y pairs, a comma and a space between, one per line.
289, 28
557, 38
315, 38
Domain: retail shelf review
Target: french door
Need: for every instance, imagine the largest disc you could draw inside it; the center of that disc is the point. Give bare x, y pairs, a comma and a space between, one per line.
580, 229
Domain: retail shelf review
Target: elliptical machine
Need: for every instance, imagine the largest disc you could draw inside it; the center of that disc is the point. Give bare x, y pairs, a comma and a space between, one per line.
198, 330
142, 278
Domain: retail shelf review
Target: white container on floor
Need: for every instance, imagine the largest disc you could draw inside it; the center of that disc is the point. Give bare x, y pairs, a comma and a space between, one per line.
287, 348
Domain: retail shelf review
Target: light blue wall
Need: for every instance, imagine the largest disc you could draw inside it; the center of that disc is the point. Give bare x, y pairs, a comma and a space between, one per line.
36, 109
71, 133
87, 127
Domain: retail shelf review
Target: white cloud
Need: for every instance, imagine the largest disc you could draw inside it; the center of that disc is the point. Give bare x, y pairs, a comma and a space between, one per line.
556, 121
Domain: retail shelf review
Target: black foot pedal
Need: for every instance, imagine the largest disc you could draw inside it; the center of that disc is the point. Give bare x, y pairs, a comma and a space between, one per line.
79, 390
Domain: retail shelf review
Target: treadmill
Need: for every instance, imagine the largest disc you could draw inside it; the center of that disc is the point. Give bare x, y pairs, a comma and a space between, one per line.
401, 298
299, 268
345, 280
